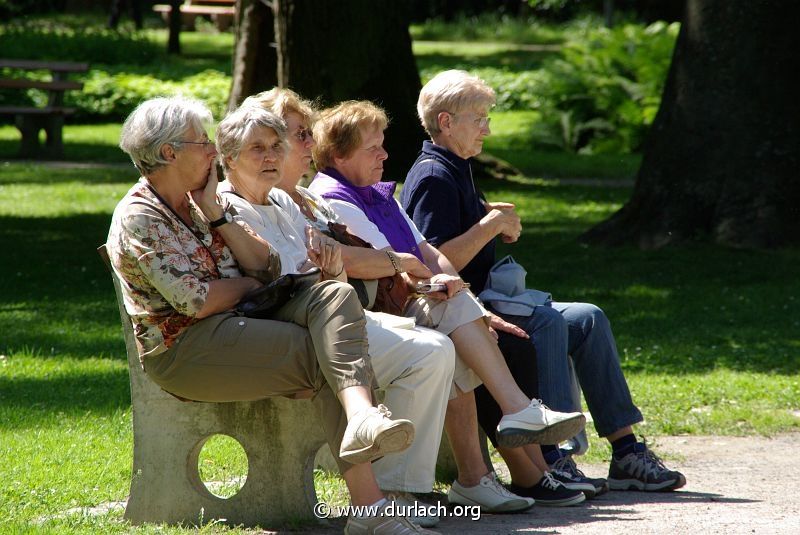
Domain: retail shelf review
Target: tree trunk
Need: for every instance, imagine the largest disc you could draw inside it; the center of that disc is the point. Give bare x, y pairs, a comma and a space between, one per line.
358, 49
255, 60
175, 19
721, 159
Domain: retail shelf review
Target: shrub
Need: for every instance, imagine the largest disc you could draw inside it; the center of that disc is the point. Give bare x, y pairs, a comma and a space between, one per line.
114, 96
72, 39
604, 92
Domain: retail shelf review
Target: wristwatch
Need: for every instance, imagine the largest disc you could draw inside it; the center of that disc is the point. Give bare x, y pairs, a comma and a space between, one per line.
226, 218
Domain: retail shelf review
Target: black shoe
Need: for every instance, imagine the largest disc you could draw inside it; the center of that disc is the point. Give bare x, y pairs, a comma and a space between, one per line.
549, 492
566, 471
642, 470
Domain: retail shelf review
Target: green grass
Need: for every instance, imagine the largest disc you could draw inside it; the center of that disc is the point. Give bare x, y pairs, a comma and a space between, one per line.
82, 143
708, 336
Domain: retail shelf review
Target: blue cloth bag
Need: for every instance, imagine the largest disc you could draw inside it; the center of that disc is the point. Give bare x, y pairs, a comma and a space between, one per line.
505, 289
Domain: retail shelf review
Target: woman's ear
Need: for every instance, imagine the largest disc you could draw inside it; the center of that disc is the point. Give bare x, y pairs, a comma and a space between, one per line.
230, 162
168, 152
444, 119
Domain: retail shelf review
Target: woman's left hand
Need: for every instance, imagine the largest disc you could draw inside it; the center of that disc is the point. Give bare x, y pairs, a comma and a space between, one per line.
325, 252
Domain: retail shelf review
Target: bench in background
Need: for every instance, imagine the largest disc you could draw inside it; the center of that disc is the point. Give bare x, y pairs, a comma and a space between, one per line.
221, 12
31, 120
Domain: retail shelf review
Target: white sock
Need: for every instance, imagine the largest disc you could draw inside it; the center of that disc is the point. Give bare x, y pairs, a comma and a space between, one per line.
380, 503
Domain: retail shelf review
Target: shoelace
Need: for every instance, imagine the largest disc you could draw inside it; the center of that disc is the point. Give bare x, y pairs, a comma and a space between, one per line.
491, 481
567, 467
384, 410
549, 482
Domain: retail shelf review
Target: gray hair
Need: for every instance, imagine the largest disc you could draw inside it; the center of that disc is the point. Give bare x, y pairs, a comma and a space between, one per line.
451, 91
157, 122
235, 128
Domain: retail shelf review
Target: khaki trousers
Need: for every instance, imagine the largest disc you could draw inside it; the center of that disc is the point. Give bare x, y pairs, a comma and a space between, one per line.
230, 358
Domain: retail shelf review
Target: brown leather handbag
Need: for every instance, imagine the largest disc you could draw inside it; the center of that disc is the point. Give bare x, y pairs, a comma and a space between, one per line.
393, 293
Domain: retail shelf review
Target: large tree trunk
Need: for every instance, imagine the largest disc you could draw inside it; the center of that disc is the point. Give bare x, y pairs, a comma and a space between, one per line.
721, 159
358, 49
255, 60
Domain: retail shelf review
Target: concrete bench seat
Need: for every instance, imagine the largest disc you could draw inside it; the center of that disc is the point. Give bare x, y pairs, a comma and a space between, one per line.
280, 437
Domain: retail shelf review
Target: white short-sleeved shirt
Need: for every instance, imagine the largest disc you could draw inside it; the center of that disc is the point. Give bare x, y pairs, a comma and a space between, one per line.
358, 224
273, 224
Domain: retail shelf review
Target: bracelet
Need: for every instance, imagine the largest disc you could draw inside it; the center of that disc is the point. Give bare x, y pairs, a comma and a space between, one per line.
340, 272
393, 260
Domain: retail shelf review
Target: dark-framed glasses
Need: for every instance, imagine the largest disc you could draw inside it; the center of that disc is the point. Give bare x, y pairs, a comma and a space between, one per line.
303, 134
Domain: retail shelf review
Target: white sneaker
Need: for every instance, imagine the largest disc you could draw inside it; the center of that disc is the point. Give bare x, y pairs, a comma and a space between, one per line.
490, 495
383, 525
411, 506
536, 424
371, 434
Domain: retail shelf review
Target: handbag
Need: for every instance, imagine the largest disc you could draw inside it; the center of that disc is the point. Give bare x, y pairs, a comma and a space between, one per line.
262, 302
505, 290
392, 293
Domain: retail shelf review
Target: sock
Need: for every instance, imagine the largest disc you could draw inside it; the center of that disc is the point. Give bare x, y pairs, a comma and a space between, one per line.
550, 453
623, 446
380, 503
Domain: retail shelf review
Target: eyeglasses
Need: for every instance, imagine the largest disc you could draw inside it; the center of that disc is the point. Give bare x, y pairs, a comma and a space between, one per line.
203, 143
303, 134
479, 121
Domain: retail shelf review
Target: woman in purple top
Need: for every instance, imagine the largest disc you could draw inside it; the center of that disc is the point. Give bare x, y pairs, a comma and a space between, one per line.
350, 154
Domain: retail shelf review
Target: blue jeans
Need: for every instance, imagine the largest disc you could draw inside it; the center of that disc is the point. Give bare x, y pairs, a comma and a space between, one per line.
582, 331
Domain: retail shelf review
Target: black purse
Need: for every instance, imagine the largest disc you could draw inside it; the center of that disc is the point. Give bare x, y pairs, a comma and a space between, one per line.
262, 302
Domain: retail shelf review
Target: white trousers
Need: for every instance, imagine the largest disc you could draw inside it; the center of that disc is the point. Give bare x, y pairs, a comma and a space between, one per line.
414, 368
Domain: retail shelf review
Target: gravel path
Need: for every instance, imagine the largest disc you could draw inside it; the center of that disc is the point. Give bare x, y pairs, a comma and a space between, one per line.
734, 485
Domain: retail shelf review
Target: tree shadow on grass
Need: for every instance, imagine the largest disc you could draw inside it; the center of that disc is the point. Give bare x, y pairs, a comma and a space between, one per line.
56, 296
678, 310
33, 402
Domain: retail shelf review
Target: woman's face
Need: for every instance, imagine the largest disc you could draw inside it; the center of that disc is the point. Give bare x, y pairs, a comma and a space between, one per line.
467, 130
260, 161
365, 166
195, 156
298, 160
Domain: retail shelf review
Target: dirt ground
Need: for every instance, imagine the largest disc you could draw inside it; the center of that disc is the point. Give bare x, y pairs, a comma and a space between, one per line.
734, 485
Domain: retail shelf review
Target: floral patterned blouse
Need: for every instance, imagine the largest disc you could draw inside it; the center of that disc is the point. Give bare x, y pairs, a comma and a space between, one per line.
165, 267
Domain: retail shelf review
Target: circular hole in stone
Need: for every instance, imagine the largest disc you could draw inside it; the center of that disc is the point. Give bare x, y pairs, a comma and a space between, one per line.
223, 466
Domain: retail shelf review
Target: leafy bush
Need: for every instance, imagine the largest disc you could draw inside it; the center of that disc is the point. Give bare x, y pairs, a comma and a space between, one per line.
114, 96
71, 39
604, 92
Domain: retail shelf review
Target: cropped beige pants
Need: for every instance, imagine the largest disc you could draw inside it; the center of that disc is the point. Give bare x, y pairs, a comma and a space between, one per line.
317, 341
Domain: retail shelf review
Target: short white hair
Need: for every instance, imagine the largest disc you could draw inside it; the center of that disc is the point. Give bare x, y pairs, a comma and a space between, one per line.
451, 91
158, 122
235, 128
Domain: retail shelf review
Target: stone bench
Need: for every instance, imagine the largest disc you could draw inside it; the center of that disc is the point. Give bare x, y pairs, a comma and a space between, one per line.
280, 437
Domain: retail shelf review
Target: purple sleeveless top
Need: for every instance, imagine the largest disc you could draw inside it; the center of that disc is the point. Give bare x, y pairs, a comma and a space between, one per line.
376, 201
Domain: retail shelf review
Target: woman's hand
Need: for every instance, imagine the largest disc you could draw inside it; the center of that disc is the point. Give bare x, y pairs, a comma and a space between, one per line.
504, 219
496, 323
454, 285
206, 198
326, 253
